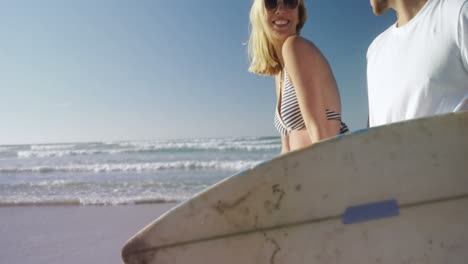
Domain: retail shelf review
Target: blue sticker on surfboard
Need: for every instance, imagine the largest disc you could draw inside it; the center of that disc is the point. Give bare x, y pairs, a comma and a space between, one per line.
372, 211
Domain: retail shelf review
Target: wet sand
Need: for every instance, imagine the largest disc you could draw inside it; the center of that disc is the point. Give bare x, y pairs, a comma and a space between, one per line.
71, 234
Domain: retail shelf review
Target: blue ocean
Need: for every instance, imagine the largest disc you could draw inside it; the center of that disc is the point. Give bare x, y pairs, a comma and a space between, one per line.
124, 172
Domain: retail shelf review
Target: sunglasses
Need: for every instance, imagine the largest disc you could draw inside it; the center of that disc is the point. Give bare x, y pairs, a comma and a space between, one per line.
273, 4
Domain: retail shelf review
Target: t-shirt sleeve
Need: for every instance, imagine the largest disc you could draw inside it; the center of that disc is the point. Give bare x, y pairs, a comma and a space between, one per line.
463, 33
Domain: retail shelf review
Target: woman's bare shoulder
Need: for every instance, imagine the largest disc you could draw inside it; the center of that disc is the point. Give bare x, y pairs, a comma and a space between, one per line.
299, 46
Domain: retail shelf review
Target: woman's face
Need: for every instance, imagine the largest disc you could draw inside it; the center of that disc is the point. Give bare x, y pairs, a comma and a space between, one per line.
282, 18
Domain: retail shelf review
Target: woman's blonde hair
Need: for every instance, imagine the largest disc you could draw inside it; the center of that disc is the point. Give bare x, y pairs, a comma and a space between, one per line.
262, 55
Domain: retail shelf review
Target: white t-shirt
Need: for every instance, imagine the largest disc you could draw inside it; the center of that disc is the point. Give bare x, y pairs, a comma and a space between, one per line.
421, 68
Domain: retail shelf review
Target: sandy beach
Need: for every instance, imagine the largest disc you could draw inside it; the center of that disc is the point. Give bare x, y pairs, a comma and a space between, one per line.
71, 234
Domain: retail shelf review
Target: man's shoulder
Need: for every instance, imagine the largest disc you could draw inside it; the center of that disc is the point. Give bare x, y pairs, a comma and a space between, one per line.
452, 8
449, 13
381, 37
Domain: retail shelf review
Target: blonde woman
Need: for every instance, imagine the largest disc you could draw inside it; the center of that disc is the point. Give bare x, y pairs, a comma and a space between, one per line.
308, 107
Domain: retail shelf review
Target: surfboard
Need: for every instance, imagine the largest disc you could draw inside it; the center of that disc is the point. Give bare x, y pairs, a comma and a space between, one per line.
391, 194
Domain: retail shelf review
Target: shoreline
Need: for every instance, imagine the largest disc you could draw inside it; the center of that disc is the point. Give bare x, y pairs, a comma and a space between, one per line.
72, 233
79, 204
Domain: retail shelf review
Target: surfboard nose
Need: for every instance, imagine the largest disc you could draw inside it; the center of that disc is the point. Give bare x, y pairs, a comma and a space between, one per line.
137, 251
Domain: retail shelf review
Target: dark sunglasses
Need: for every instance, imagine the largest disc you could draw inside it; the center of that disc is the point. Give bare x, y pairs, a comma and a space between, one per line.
273, 4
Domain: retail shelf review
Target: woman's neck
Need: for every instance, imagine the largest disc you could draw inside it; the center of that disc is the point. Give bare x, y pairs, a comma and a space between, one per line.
279, 51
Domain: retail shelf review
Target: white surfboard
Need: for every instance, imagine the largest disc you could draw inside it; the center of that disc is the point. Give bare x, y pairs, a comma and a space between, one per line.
390, 194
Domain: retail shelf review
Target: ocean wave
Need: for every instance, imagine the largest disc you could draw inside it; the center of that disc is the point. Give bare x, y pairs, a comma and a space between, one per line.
128, 148
88, 201
54, 153
86, 189
50, 183
58, 192
5, 148
8, 153
212, 145
201, 146
52, 147
138, 167
96, 193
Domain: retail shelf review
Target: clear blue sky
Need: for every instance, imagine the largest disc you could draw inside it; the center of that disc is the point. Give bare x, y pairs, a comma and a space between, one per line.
93, 70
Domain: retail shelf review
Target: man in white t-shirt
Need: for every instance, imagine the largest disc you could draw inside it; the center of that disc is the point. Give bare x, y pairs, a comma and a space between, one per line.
418, 67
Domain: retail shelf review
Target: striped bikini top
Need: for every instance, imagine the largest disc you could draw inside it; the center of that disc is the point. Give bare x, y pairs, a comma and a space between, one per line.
288, 115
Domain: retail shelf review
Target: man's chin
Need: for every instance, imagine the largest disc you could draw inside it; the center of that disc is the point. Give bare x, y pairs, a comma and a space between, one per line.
380, 9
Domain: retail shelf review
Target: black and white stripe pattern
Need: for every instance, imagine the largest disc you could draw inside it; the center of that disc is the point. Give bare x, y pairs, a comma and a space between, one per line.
288, 117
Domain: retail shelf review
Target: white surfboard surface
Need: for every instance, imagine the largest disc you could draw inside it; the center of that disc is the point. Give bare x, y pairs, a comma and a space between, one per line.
390, 194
